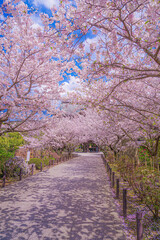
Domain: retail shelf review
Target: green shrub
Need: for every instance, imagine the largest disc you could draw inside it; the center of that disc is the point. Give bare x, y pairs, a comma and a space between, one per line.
144, 181
78, 150
46, 161
9, 143
37, 162
51, 158
143, 155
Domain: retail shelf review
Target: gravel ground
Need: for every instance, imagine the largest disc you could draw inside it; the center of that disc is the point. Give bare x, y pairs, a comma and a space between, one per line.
71, 201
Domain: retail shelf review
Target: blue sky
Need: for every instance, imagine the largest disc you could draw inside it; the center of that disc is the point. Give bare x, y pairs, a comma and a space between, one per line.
42, 5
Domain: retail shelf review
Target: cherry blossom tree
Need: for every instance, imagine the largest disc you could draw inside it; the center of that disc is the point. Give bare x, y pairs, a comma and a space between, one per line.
126, 53
122, 105
128, 40
29, 75
69, 131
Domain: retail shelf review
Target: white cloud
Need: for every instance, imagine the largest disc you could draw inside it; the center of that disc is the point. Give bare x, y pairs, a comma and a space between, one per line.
90, 41
2, 18
46, 3
72, 86
37, 22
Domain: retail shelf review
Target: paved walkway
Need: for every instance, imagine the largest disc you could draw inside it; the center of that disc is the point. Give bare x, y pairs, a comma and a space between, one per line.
71, 201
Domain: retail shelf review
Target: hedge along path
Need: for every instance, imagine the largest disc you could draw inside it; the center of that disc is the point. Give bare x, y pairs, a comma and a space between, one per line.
71, 201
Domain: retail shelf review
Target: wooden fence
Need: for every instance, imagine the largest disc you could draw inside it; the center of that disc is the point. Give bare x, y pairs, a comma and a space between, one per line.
113, 180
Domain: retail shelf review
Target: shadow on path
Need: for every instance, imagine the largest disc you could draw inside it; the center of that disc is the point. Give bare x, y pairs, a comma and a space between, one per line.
71, 201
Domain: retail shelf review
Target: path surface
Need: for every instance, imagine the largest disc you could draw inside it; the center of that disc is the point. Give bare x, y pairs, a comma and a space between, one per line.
71, 201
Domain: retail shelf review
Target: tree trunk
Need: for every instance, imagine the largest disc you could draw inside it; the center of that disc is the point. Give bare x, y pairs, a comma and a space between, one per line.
115, 156
136, 157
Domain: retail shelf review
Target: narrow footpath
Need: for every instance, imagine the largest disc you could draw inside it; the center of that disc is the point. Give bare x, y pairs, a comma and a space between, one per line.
71, 201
